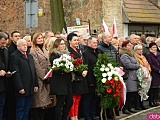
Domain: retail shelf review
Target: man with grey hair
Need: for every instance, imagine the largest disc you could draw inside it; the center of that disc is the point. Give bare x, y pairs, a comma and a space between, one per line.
90, 99
146, 46
25, 79
48, 34
133, 39
4, 57
121, 40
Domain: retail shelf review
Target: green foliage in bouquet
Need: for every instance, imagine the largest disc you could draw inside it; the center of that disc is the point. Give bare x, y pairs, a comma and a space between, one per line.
108, 82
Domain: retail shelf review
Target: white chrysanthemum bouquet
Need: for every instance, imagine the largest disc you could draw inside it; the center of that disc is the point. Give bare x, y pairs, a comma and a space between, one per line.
64, 63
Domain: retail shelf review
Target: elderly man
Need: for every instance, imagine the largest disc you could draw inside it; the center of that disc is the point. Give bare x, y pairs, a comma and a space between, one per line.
146, 46
25, 79
121, 40
90, 99
133, 39
48, 34
3, 70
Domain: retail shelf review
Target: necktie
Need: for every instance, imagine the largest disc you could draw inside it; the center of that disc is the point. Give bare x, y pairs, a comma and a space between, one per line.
25, 55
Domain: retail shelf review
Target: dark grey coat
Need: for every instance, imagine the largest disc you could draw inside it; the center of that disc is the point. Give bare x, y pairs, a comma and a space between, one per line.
4, 66
131, 65
25, 76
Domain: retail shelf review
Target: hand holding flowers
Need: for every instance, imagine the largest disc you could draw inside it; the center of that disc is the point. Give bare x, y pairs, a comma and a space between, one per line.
64, 63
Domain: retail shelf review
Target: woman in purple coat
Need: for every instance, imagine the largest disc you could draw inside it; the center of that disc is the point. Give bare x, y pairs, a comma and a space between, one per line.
153, 58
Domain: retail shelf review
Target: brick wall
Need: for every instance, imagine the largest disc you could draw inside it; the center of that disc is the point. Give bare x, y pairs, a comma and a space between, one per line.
85, 10
95, 11
12, 16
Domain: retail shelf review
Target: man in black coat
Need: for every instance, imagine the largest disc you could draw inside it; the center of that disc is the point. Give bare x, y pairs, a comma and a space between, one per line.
25, 79
15, 36
10, 95
3, 70
89, 100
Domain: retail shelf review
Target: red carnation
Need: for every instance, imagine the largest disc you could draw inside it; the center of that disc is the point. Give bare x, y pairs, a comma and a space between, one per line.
79, 60
76, 63
107, 82
72, 55
113, 85
115, 94
109, 90
112, 81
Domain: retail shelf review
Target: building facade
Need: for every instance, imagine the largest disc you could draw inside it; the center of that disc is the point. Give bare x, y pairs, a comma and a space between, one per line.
136, 16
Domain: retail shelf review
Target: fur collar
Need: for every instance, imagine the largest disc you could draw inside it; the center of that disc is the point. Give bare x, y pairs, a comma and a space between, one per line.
126, 51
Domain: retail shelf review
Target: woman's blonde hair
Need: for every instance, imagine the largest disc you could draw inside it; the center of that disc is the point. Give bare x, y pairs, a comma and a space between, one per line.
35, 36
136, 47
26, 37
49, 42
114, 41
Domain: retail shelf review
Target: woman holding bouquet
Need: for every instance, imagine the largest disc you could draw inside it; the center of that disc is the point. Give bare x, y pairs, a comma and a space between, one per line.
79, 84
60, 82
144, 63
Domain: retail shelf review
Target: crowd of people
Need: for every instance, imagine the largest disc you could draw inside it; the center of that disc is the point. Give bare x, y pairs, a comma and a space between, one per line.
24, 62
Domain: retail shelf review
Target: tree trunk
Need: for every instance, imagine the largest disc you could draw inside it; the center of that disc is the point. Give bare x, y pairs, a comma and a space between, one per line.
57, 15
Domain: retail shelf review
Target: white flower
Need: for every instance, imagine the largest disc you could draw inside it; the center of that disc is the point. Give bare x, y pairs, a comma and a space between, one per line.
63, 62
106, 69
109, 74
109, 65
103, 66
116, 68
104, 75
116, 78
103, 80
102, 69
109, 78
114, 72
